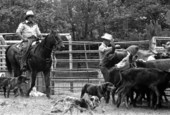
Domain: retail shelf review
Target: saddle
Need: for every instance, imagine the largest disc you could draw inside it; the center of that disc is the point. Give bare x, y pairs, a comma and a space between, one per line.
23, 45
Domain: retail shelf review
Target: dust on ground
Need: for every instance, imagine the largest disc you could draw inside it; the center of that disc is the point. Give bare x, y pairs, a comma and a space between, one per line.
43, 105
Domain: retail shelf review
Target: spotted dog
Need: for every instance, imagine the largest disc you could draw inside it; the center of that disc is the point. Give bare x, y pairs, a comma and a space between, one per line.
69, 103
12, 83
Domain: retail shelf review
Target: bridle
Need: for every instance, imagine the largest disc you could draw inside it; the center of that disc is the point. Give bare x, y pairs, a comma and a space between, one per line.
56, 43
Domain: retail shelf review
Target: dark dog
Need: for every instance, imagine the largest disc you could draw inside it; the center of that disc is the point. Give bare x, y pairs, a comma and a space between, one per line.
12, 83
80, 104
97, 90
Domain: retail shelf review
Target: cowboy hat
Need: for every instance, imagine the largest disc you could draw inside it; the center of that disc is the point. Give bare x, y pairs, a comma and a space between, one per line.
29, 13
107, 36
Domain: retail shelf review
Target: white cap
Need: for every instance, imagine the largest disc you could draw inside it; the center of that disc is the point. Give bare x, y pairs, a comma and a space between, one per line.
29, 13
107, 36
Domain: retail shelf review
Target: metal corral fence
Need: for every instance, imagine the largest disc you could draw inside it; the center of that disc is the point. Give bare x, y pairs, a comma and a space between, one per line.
81, 64
76, 65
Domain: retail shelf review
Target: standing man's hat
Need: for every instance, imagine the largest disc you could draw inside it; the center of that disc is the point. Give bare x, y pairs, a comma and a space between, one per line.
107, 36
29, 13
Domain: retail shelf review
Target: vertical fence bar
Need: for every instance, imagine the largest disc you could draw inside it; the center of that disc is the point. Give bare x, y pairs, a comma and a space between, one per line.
71, 86
70, 53
87, 66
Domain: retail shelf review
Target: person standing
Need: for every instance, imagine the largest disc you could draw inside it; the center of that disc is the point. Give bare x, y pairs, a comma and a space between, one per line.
105, 47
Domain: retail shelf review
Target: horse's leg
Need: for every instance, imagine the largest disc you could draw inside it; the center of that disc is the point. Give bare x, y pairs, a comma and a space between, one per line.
33, 78
47, 82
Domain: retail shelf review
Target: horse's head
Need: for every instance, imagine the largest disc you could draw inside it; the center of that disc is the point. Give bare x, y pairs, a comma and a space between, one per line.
55, 41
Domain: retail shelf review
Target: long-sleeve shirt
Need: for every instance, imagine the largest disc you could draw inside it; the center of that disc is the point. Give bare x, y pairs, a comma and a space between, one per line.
27, 31
103, 49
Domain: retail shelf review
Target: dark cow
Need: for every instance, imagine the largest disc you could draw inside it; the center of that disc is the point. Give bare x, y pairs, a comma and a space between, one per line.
163, 64
136, 78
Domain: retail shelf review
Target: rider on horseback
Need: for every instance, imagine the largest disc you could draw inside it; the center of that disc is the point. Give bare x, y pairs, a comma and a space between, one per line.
28, 31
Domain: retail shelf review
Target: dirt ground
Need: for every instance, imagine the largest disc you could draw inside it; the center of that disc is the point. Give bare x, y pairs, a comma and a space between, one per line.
43, 106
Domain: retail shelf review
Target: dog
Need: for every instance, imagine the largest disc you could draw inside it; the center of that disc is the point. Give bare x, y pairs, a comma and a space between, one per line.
80, 104
100, 91
12, 83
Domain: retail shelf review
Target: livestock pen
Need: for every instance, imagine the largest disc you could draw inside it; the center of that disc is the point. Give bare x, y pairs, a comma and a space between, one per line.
76, 65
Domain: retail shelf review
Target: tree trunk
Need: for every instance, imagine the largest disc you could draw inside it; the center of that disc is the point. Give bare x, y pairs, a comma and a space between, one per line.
87, 20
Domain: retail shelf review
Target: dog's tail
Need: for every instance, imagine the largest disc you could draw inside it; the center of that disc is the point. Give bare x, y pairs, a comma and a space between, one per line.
83, 91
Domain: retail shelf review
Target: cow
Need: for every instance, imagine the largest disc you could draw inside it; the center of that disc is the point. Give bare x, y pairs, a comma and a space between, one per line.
147, 55
162, 64
137, 78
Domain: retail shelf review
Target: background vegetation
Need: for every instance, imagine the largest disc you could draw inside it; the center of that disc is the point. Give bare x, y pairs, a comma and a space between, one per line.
89, 19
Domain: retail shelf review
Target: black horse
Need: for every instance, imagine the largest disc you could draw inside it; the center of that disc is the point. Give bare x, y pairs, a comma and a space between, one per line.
39, 59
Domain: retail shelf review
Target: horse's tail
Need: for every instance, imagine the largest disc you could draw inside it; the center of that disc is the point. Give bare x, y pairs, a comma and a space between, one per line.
8, 64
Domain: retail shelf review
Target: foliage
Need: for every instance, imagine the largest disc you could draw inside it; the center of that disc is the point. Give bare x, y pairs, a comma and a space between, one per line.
89, 19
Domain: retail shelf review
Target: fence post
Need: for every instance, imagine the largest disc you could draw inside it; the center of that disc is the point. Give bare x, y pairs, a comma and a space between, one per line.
70, 52
71, 86
2, 52
87, 66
